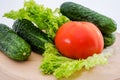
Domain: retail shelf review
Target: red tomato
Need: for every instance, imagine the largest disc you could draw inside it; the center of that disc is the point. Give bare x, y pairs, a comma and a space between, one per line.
79, 39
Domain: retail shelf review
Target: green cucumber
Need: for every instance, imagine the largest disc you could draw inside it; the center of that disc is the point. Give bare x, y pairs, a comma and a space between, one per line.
13, 45
77, 12
109, 39
34, 36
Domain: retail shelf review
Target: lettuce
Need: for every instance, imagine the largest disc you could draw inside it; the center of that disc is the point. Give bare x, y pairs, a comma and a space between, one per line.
43, 17
63, 67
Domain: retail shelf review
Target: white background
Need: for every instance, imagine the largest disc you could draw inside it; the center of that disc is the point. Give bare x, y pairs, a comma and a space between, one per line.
109, 8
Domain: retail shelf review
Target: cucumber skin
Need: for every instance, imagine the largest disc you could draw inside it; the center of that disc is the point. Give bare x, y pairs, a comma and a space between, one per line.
13, 45
29, 32
109, 39
77, 12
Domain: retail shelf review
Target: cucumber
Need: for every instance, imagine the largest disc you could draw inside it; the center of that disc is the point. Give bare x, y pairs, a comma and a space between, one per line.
13, 45
109, 39
29, 32
77, 12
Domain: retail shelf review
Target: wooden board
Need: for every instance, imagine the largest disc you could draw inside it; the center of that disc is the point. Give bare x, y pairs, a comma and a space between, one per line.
28, 70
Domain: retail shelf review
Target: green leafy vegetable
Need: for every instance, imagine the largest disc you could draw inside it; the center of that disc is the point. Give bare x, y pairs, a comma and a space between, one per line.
43, 17
60, 66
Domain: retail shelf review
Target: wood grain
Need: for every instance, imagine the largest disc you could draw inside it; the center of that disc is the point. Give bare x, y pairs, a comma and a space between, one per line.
28, 70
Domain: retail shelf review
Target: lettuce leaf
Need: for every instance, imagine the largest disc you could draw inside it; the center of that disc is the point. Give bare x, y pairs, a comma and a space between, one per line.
63, 67
43, 17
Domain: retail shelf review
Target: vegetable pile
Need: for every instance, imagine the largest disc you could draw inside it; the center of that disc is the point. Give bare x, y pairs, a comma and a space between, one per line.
68, 41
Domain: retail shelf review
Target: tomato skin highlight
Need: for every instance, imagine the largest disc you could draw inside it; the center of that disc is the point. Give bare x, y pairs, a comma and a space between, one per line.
79, 40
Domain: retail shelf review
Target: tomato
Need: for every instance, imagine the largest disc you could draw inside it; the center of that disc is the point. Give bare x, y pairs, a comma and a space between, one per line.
79, 40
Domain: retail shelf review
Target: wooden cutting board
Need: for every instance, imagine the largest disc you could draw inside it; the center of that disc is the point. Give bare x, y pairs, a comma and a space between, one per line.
28, 70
